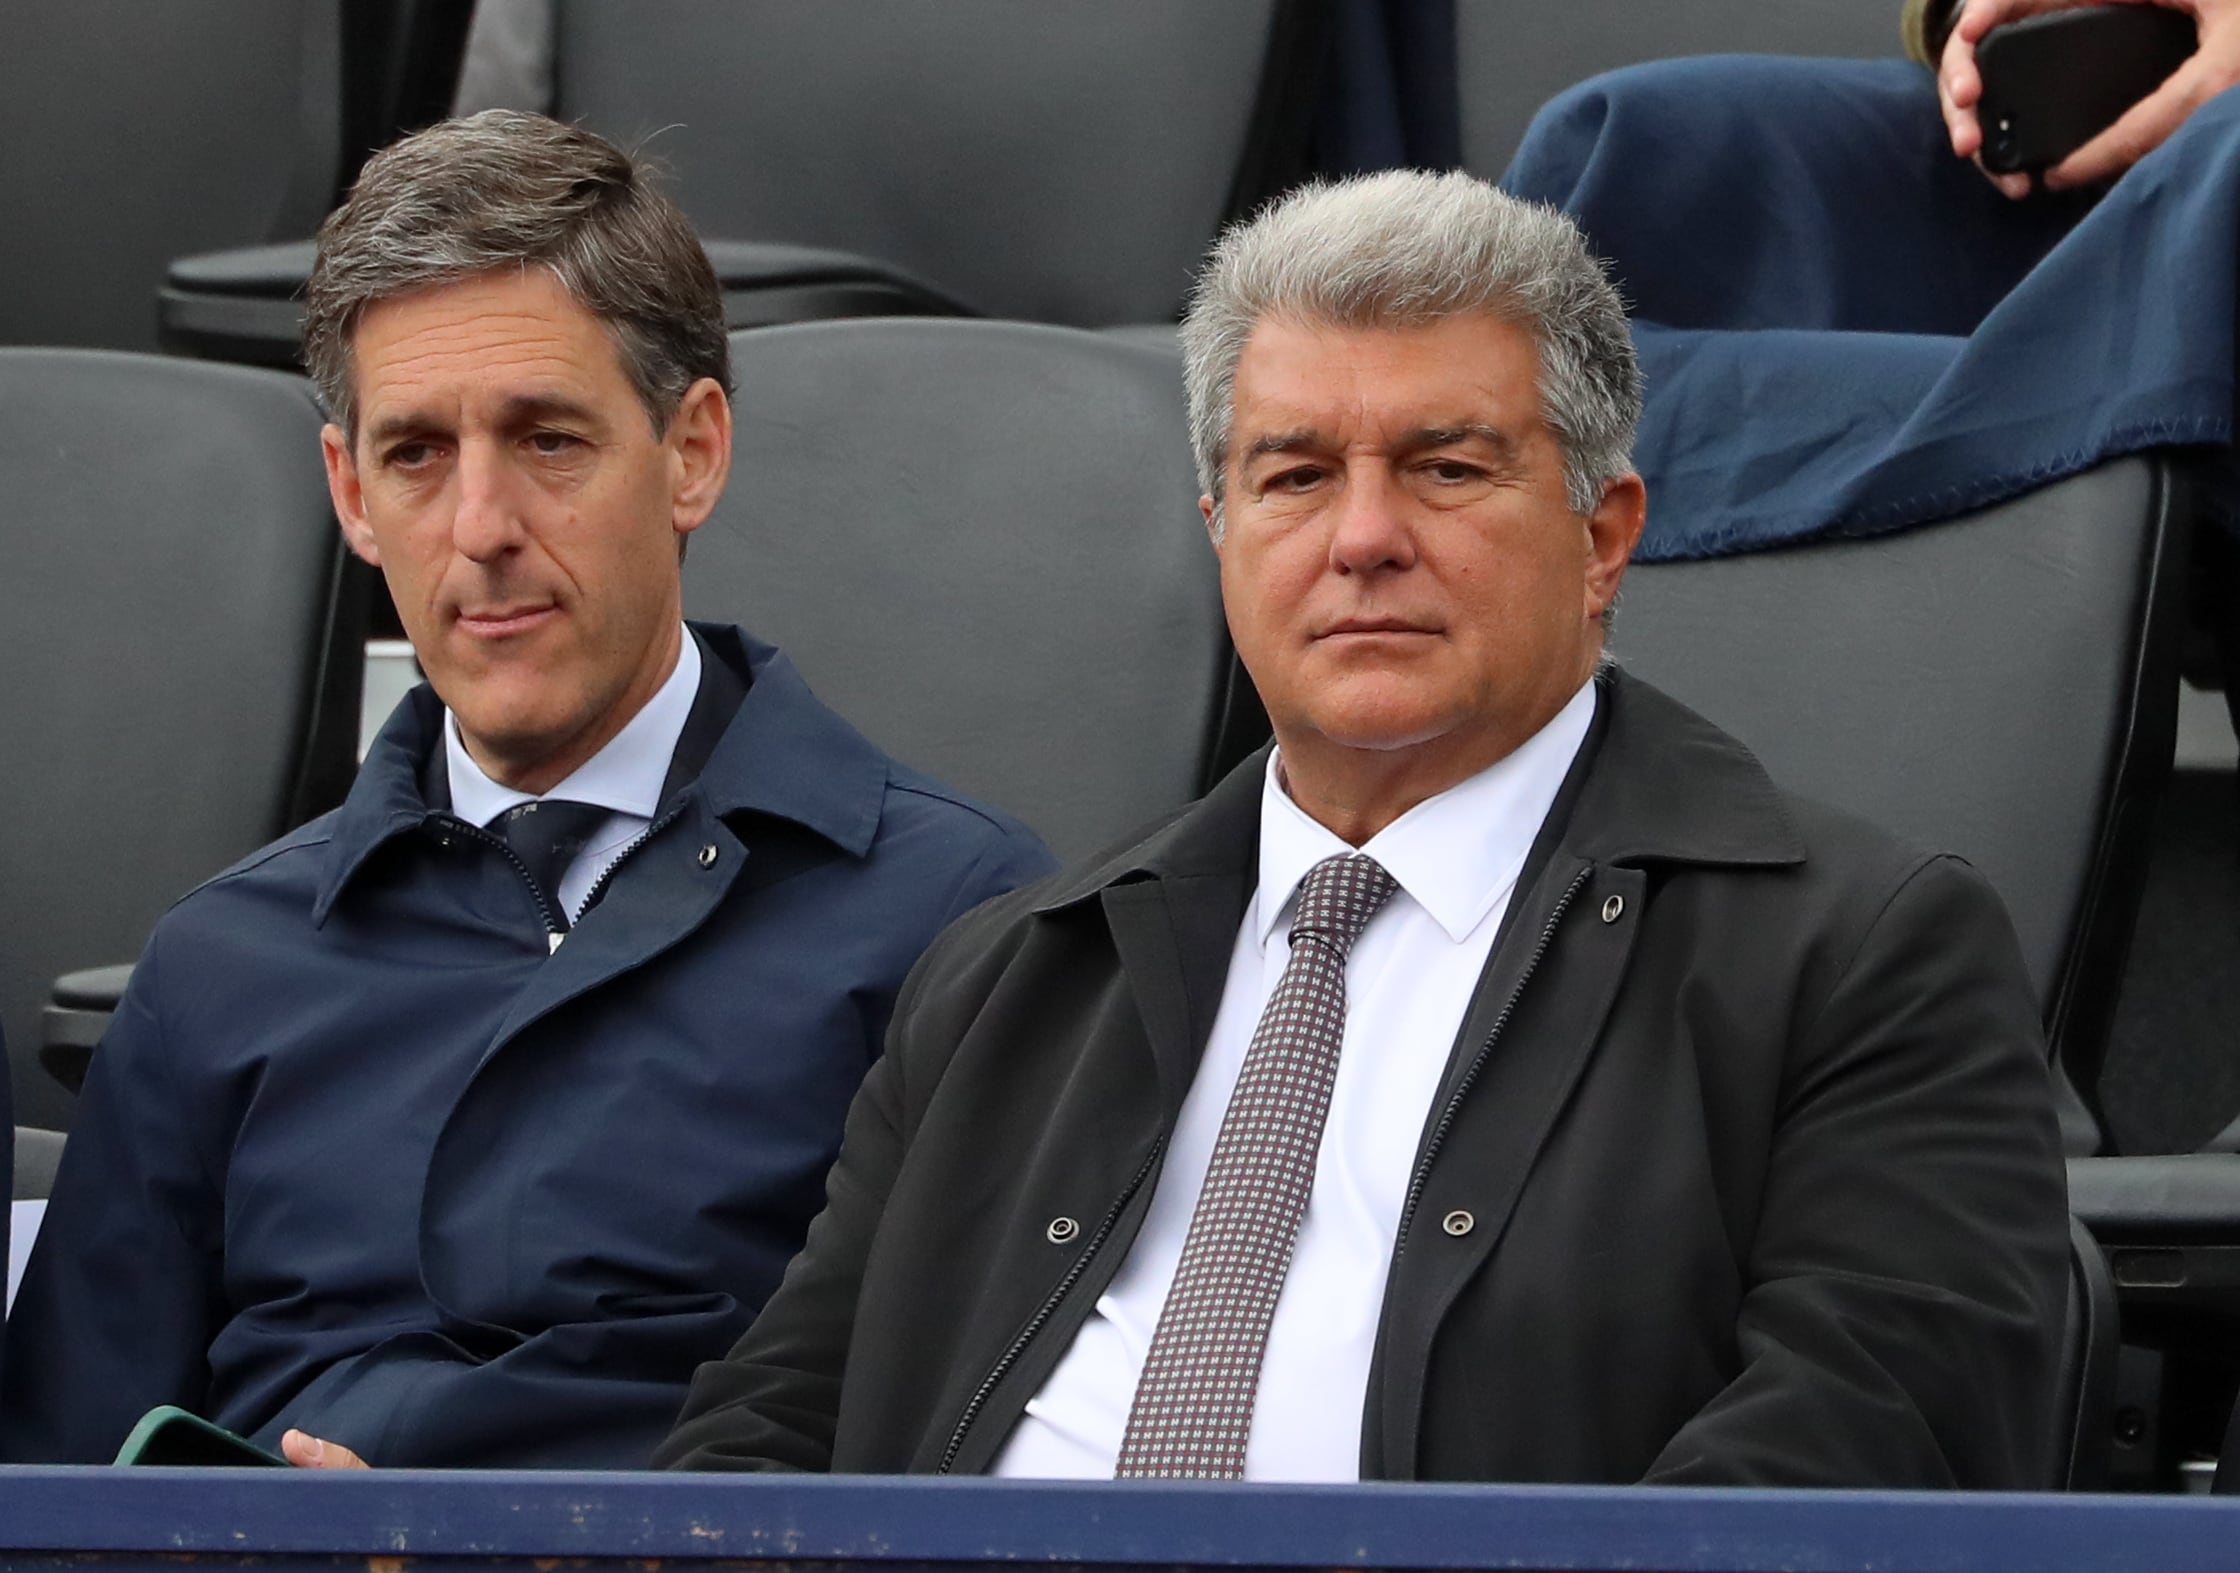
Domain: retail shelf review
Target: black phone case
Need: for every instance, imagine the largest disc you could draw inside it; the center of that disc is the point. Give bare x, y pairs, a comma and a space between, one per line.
2053, 82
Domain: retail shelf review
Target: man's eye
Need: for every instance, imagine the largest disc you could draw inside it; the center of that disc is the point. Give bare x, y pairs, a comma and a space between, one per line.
553, 443
411, 455
1451, 471
1294, 480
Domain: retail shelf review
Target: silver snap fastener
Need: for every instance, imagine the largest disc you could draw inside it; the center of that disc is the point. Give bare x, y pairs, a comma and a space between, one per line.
1458, 1223
1612, 908
1061, 1230
708, 855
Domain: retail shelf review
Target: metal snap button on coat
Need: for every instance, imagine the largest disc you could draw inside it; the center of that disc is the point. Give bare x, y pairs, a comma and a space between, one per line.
1612, 908
1062, 1230
708, 855
1458, 1223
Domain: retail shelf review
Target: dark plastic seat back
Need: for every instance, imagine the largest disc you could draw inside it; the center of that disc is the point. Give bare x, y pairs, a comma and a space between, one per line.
1512, 56
1054, 163
980, 541
134, 132
180, 683
2003, 686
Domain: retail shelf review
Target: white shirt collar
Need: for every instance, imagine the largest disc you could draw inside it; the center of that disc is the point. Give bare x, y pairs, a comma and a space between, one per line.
1457, 853
624, 776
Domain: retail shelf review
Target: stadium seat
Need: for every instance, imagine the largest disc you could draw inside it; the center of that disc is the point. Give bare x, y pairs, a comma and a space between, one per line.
182, 651
1509, 60
2003, 686
980, 542
2089, 1364
38, 1153
116, 162
993, 157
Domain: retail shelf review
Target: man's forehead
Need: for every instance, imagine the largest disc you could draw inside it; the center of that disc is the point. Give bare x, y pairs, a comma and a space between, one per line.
487, 341
1458, 374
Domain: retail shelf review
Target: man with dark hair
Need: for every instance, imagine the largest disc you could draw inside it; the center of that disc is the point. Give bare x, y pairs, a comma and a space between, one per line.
457, 1126
1500, 1080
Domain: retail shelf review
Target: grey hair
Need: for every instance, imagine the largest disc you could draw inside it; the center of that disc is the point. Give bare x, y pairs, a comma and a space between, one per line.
1407, 249
505, 189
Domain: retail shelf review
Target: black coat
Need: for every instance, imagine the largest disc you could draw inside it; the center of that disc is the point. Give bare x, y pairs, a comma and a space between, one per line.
1749, 1113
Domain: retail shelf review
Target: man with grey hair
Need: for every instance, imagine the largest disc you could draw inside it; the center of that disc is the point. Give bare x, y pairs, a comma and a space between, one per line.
457, 1126
1501, 1079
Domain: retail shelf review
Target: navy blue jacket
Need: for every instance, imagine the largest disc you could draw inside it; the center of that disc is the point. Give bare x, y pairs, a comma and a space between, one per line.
358, 1155
1847, 331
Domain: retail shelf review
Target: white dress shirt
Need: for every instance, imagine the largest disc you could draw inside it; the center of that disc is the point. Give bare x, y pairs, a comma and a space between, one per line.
1409, 978
625, 776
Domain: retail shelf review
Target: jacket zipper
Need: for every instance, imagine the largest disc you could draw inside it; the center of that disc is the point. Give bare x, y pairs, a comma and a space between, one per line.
599, 885
1453, 1107
1044, 1311
453, 825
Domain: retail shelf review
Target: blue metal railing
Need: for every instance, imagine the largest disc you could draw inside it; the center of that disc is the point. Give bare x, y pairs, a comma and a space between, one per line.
94, 1518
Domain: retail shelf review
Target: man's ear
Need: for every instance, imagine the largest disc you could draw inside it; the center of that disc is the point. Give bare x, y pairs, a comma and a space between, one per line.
1205, 511
1613, 530
348, 496
699, 441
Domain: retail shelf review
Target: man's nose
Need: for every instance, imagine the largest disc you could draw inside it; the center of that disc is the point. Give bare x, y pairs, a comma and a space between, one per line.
1374, 523
487, 521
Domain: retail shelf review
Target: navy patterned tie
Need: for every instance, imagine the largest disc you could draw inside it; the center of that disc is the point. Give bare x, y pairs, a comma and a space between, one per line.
546, 834
1193, 1406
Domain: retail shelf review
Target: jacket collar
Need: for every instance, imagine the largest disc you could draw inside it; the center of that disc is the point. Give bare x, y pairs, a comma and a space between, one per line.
783, 753
1654, 783
1663, 785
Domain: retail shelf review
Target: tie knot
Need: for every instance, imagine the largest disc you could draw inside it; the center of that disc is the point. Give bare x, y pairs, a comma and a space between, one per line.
546, 834
1338, 898
551, 825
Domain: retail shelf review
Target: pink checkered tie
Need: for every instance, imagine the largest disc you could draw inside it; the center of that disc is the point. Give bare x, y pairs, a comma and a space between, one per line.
1193, 1403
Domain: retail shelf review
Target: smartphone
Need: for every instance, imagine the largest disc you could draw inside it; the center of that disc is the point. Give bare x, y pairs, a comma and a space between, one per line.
2053, 82
167, 1434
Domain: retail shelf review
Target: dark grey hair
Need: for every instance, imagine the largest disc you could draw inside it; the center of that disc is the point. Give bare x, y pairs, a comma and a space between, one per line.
504, 189
1405, 249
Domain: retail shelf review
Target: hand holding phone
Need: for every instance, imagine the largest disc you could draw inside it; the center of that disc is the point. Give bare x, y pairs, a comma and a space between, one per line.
2136, 131
2052, 83
169, 1435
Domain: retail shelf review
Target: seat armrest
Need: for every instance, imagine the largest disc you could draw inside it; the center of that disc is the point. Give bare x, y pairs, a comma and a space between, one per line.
2170, 1227
75, 1018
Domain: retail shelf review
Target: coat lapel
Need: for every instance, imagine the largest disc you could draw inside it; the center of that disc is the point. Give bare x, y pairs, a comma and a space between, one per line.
1654, 784
1527, 1038
1172, 903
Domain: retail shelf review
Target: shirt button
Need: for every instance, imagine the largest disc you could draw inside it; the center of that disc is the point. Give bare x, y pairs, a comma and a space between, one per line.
1613, 908
708, 855
1061, 1231
1458, 1223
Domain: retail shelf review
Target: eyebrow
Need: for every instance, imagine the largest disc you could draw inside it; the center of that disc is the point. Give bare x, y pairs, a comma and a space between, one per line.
521, 410
1416, 439
1421, 438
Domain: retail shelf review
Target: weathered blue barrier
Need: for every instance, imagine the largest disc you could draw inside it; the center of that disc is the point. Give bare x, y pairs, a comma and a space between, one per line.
89, 1519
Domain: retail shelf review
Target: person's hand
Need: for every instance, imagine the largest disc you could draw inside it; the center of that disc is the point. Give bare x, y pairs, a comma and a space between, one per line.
306, 1451
2214, 66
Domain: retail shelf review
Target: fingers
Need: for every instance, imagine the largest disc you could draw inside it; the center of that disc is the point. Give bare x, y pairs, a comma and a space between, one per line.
2141, 129
1959, 85
306, 1451
2013, 185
